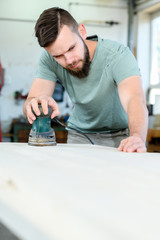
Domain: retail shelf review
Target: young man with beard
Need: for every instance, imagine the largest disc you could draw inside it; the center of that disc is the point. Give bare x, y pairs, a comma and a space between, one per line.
101, 77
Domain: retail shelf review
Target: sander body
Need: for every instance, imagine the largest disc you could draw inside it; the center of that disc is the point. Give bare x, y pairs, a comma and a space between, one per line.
41, 133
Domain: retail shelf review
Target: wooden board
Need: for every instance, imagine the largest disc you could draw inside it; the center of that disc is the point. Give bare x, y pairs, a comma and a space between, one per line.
79, 192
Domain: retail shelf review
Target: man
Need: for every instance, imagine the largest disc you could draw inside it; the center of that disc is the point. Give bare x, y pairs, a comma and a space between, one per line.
101, 77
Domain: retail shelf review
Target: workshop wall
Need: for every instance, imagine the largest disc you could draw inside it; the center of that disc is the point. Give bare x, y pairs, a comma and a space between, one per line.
19, 50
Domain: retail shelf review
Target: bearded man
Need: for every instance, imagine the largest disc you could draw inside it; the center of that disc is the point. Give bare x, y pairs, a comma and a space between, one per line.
101, 77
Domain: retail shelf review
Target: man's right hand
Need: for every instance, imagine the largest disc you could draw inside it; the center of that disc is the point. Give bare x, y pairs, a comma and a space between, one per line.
45, 101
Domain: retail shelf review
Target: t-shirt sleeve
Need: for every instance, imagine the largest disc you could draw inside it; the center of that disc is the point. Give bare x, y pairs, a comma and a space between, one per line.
125, 65
46, 67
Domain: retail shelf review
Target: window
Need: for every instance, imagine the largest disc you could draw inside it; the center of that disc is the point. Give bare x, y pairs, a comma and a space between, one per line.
155, 62
155, 50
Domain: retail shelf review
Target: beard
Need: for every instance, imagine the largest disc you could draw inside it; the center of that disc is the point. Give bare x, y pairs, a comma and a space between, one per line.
84, 71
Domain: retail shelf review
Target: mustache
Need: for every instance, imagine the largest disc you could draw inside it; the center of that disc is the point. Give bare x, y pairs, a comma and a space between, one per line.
73, 64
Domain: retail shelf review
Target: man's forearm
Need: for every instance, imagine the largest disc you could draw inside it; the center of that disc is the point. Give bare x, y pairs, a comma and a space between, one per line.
133, 101
137, 118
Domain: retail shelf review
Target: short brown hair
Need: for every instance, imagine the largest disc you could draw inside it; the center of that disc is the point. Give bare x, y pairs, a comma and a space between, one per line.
49, 24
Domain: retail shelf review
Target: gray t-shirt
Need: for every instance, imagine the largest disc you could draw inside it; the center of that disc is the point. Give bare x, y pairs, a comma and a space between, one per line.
97, 106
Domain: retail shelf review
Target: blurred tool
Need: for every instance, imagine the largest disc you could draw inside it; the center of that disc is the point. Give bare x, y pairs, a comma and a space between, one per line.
41, 133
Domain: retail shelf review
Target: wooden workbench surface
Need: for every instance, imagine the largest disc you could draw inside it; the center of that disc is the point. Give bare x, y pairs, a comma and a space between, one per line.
79, 192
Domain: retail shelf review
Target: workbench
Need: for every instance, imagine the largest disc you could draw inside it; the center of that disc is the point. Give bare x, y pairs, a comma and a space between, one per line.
153, 139
79, 192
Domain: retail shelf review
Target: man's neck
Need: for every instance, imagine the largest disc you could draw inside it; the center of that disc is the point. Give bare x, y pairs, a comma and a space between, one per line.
91, 47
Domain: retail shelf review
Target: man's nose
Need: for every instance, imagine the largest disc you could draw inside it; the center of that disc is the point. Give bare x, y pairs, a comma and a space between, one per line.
69, 58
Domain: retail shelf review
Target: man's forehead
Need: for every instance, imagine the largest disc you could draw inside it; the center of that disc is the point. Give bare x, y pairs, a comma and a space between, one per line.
65, 40
62, 49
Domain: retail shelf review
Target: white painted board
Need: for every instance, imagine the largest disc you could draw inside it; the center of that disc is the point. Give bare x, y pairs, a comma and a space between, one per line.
79, 192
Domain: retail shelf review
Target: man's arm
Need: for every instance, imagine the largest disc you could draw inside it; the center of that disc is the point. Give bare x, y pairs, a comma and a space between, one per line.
41, 92
133, 101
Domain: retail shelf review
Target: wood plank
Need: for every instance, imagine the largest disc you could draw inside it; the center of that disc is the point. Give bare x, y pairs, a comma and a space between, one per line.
72, 191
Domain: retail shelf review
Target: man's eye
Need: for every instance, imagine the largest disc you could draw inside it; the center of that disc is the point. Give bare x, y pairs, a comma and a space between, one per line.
57, 56
71, 48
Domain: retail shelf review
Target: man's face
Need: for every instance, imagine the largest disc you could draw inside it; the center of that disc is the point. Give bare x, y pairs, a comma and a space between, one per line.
71, 52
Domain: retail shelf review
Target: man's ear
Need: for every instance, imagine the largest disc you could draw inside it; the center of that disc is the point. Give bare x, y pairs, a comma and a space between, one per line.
82, 31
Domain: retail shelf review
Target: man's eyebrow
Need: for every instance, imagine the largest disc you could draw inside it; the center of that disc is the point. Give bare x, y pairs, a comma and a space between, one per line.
57, 55
66, 51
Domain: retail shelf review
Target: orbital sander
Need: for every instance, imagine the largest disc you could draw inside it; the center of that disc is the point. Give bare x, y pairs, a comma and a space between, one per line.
41, 133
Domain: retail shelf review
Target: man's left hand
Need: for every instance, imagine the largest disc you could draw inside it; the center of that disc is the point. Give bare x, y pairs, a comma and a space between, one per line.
132, 144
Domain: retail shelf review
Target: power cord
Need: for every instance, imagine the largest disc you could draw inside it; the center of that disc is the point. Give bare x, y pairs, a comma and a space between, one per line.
63, 125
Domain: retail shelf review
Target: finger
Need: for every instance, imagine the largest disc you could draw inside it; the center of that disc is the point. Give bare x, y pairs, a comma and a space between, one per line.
132, 143
134, 147
122, 144
55, 113
55, 108
44, 104
142, 149
30, 120
34, 105
131, 147
129, 144
30, 116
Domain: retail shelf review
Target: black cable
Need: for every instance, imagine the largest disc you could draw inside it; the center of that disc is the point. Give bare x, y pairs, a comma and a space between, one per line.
63, 125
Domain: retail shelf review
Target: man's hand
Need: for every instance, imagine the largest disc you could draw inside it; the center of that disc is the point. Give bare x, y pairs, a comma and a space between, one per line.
45, 101
132, 144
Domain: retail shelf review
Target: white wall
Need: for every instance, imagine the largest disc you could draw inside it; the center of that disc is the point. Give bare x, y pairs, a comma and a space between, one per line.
19, 50
95, 13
